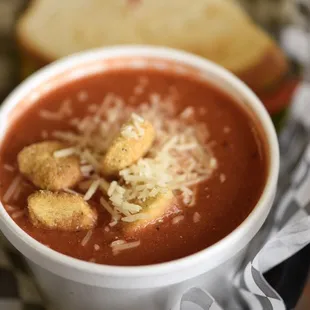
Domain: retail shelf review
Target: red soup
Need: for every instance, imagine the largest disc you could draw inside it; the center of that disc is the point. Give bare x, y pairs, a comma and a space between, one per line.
132, 167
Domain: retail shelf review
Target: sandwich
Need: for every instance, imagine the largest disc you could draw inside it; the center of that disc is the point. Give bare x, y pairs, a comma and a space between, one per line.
218, 30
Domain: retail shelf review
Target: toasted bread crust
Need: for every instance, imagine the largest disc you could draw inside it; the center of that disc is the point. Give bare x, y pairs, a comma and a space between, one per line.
124, 152
61, 211
267, 72
38, 164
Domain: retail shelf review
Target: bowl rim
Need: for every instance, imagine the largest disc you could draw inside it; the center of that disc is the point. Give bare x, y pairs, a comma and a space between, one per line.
247, 229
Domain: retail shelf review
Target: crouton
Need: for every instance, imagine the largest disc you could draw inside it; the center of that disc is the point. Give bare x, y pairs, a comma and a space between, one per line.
61, 211
133, 142
37, 163
157, 208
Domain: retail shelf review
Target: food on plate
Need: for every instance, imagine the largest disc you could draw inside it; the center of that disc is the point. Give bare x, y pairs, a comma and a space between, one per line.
194, 168
218, 30
47, 168
133, 142
62, 211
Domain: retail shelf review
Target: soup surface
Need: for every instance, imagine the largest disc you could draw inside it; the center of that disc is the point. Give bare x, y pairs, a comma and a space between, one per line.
203, 212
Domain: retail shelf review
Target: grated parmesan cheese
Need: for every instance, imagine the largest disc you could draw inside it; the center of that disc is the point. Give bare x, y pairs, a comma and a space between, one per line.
87, 238
48, 115
177, 219
92, 190
10, 208
117, 242
136, 118
65, 152
113, 223
222, 177
133, 129
135, 217
17, 193
70, 191
82, 96
12, 188
179, 160
196, 217
87, 170
64, 111
106, 205
187, 113
112, 188
66, 108
18, 214
8, 167
213, 163
121, 245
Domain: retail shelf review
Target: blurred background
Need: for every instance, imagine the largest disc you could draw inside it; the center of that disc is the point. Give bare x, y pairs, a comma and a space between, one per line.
20, 57
285, 21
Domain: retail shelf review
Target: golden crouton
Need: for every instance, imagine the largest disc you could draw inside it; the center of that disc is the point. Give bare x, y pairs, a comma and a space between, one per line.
39, 165
130, 145
164, 204
61, 211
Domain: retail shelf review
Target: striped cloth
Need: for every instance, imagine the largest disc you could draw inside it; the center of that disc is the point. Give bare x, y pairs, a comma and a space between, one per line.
287, 229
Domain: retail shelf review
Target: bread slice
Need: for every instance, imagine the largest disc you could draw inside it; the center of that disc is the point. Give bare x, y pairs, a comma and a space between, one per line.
215, 29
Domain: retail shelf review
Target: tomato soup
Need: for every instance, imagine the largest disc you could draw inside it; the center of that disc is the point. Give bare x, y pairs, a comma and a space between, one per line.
205, 158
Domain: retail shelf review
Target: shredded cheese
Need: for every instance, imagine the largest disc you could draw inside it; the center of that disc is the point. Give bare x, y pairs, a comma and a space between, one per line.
8, 167
177, 219
12, 188
87, 238
87, 170
10, 208
121, 245
65, 152
196, 217
135, 217
222, 177
92, 190
179, 159
17, 193
64, 111
133, 129
82, 96
17, 214
107, 206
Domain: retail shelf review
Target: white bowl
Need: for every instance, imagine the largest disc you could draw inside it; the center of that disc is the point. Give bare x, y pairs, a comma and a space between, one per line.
74, 284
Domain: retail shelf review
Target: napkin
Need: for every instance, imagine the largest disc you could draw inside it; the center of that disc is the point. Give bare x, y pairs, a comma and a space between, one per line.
287, 229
